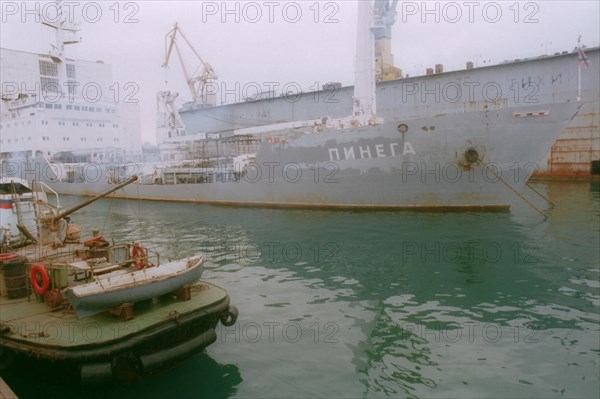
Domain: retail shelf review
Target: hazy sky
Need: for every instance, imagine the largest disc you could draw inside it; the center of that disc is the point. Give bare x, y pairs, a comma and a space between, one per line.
302, 41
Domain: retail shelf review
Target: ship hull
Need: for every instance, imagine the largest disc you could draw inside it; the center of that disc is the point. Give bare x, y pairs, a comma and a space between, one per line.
119, 350
420, 163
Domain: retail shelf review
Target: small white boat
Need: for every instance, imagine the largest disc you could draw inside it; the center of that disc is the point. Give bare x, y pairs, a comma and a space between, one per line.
114, 289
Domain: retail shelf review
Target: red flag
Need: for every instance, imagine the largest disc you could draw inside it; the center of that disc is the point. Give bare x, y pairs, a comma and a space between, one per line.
584, 61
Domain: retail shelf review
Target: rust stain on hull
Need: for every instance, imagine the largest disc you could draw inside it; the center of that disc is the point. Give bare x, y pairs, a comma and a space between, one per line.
578, 146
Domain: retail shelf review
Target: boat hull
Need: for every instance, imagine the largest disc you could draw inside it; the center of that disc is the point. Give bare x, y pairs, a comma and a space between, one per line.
101, 348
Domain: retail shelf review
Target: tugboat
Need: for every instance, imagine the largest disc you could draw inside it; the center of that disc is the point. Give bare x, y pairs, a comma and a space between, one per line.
108, 311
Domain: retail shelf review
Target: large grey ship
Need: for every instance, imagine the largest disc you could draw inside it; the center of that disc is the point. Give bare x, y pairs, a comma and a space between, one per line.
459, 161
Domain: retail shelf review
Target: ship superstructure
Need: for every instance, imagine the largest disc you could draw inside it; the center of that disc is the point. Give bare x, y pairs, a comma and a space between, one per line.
56, 105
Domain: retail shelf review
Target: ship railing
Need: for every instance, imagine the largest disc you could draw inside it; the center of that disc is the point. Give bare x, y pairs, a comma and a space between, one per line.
104, 262
153, 257
43, 187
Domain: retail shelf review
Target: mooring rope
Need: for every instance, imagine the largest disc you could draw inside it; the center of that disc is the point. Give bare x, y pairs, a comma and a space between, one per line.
540, 194
515, 191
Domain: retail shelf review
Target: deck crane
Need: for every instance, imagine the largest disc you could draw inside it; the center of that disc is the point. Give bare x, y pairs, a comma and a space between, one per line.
198, 83
172, 138
385, 16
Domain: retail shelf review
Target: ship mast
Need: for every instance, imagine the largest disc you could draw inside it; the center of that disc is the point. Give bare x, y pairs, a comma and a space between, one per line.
57, 53
385, 11
364, 104
374, 61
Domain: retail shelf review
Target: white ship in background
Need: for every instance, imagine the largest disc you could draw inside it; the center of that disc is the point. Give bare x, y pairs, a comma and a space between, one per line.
61, 107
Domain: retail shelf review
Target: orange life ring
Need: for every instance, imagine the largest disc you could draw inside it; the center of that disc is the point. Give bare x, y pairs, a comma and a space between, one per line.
40, 270
139, 256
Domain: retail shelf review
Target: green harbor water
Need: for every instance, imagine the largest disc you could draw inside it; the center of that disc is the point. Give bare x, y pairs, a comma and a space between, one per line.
377, 304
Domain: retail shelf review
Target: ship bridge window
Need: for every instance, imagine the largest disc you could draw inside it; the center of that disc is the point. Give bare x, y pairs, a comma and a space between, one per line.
49, 106
48, 68
76, 107
69, 107
57, 106
50, 85
71, 86
75, 123
98, 109
84, 108
71, 71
